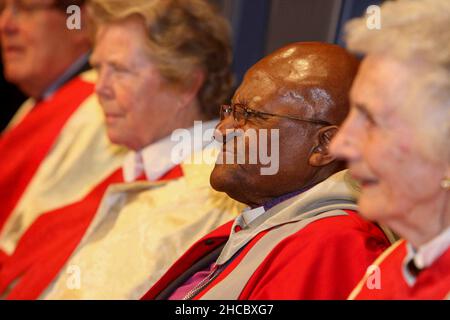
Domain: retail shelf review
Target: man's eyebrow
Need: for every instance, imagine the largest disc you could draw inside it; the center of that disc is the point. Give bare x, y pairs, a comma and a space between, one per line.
240, 101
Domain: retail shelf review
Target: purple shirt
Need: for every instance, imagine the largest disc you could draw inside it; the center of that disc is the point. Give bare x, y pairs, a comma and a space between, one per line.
190, 284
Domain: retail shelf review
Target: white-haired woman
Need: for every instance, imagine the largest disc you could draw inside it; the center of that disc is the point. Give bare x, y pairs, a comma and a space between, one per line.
396, 141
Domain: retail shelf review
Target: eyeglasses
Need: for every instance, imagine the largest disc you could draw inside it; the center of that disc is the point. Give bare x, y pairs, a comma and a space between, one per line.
241, 114
25, 6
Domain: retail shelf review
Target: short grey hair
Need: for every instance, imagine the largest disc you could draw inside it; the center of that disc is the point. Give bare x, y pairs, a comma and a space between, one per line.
183, 35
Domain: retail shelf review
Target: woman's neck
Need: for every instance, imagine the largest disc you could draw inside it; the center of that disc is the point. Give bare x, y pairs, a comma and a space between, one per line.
425, 221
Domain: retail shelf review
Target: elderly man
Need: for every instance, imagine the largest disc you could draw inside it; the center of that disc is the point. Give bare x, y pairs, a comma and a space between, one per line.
150, 84
396, 141
55, 151
301, 238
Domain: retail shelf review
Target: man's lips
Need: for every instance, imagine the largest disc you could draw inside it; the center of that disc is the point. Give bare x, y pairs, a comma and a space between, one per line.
226, 153
13, 47
225, 150
230, 147
12, 50
110, 117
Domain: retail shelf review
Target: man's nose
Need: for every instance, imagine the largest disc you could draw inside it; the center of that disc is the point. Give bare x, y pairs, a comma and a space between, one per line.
103, 86
225, 130
8, 21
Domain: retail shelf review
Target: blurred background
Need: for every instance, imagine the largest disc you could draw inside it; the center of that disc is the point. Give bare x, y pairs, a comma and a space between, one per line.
259, 27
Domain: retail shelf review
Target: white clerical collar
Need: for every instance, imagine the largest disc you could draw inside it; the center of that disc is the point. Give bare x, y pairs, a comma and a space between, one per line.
428, 253
249, 215
425, 255
158, 158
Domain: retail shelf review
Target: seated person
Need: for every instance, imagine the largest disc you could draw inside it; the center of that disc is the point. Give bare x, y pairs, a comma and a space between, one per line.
55, 150
396, 141
153, 79
301, 238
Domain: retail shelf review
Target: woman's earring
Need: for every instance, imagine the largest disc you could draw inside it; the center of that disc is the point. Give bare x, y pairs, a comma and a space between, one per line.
445, 183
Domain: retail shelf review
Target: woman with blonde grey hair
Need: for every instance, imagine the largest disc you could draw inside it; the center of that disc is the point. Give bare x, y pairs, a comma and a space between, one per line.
396, 142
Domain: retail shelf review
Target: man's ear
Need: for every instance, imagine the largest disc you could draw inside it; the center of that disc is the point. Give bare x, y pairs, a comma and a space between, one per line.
320, 155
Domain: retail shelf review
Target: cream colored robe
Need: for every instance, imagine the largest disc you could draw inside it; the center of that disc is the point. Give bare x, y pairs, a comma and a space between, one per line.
81, 158
139, 230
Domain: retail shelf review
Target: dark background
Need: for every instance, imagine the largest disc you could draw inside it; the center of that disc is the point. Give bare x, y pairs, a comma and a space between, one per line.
259, 27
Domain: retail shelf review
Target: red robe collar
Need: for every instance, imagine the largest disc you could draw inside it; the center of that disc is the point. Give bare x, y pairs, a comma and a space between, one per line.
431, 283
25, 146
198, 250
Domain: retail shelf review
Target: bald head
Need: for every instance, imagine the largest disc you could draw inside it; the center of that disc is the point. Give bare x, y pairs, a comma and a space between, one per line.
318, 75
301, 91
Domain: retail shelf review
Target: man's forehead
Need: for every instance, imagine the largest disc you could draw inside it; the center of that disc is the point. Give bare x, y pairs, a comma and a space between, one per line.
258, 81
257, 84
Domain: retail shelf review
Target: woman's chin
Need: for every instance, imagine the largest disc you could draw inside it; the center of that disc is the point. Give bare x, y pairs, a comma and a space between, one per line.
372, 209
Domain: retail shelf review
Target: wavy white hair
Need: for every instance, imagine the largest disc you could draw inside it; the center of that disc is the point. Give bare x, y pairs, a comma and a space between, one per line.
416, 33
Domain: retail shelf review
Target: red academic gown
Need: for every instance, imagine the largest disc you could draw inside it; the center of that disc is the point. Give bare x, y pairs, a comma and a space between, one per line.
324, 260
50, 241
431, 283
26, 145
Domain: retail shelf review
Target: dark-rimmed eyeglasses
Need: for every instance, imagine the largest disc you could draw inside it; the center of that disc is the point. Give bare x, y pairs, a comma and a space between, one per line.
241, 114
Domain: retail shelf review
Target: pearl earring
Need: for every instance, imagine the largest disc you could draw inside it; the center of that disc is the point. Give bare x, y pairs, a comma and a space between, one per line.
445, 183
